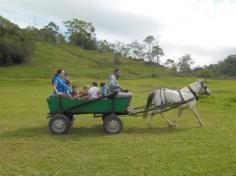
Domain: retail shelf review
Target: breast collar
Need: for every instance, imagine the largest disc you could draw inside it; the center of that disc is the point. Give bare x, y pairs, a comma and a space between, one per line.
193, 92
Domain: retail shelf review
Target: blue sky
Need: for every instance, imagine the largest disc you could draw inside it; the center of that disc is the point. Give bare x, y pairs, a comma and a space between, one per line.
203, 28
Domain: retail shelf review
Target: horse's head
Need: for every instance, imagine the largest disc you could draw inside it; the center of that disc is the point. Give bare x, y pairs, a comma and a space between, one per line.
204, 88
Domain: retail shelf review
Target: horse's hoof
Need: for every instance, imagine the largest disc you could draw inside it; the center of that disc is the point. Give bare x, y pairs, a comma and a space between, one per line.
201, 124
174, 126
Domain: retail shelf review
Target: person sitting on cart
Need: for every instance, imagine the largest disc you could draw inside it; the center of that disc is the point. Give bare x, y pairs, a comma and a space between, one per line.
67, 77
85, 93
113, 86
94, 90
103, 89
75, 92
67, 91
58, 82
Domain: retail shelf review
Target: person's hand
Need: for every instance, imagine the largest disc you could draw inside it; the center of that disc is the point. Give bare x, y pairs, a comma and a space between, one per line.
125, 90
121, 89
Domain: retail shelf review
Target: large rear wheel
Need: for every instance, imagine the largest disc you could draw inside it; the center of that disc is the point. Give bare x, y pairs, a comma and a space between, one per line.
112, 124
59, 124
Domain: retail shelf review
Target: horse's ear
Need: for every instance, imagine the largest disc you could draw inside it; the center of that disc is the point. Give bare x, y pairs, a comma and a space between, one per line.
202, 80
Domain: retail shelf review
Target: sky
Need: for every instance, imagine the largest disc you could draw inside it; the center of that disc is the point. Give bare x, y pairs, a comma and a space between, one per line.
205, 29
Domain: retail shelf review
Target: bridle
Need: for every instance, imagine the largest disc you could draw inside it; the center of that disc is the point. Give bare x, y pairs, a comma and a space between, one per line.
203, 87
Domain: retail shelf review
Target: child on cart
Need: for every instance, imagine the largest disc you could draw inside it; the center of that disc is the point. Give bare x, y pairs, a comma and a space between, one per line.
75, 92
104, 91
67, 91
94, 90
85, 93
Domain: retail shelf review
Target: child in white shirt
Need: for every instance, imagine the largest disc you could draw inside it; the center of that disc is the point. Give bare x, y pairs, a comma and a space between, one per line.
94, 91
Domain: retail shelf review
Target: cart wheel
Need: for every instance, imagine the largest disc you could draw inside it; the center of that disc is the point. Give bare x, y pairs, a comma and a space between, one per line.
112, 124
59, 124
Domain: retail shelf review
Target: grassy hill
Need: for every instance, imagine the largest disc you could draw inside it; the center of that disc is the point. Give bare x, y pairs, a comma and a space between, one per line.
78, 62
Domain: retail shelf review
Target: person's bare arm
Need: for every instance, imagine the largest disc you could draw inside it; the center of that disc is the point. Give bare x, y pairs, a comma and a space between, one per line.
55, 89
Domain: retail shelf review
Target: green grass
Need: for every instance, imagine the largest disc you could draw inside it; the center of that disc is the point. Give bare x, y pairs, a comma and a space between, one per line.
27, 148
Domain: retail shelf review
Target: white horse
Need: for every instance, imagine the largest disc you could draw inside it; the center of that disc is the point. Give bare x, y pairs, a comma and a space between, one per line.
186, 96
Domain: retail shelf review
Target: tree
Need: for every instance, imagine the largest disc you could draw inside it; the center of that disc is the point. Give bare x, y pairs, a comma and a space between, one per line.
103, 46
125, 50
205, 73
149, 41
184, 64
156, 53
49, 33
137, 50
16, 45
171, 64
52, 27
81, 33
227, 66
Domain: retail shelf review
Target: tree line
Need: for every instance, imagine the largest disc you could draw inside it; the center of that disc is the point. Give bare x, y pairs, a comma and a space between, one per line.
223, 69
17, 45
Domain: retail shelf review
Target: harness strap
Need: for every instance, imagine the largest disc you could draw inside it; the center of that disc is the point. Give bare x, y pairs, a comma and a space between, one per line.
181, 96
164, 98
162, 108
194, 93
161, 97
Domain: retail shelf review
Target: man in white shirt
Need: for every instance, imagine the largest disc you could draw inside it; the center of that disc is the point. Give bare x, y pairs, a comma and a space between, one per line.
94, 90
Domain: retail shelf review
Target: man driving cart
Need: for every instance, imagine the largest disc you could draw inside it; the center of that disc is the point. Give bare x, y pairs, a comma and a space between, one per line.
113, 86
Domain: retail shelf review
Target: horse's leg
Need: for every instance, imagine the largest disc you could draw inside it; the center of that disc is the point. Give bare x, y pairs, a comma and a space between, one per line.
194, 110
178, 116
170, 124
149, 120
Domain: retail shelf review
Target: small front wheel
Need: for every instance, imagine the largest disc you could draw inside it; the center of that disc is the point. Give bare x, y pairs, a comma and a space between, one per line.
112, 124
59, 124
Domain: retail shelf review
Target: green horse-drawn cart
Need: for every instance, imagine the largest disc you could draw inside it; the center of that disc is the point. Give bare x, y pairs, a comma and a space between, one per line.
62, 111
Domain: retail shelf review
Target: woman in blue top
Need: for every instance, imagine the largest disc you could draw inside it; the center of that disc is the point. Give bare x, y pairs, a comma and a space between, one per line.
58, 83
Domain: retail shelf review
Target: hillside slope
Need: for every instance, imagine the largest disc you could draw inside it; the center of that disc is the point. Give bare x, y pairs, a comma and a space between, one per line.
78, 62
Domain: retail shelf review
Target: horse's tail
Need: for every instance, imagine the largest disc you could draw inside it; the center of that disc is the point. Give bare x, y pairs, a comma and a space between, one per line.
149, 102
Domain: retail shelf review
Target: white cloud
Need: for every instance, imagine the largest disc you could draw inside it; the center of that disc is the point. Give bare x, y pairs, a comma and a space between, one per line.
203, 28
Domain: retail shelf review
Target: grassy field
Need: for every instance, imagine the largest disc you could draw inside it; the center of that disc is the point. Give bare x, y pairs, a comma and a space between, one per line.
27, 148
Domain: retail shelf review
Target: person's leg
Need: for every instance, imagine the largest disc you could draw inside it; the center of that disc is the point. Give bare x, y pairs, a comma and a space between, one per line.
124, 95
128, 95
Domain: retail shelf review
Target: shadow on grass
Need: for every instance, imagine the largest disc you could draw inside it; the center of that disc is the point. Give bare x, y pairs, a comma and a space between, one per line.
154, 130
94, 131
83, 132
